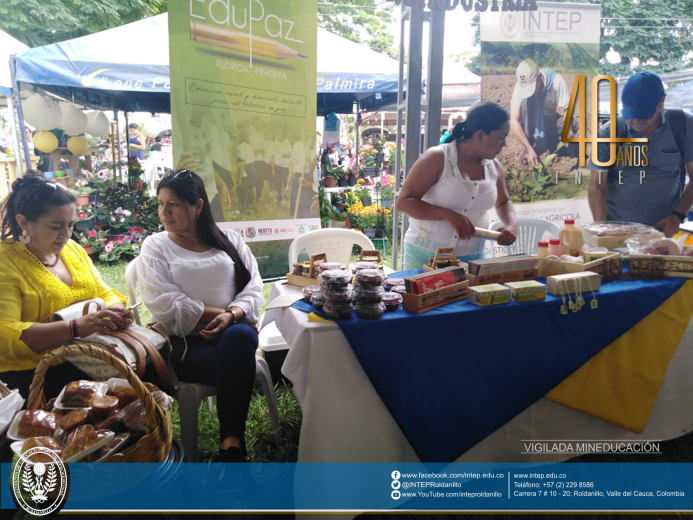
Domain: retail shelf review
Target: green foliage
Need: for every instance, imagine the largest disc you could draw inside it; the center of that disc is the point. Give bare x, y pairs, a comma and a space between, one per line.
40, 22
387, 192
351, 19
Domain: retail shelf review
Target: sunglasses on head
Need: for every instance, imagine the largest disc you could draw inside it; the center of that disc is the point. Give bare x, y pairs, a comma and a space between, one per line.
182, 174
52, 185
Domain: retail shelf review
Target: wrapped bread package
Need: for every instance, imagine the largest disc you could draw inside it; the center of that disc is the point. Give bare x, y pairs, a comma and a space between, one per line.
74, 418
80, 393
35, 423
50, 443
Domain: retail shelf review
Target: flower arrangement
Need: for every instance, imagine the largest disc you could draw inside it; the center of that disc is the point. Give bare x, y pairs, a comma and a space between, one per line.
86, 212
368, 217
92, 237
387, 186
82, 187
128, 245
367, 156
135, 170
362, 192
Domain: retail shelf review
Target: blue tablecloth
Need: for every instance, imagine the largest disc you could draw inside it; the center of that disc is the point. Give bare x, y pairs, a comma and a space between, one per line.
453, 375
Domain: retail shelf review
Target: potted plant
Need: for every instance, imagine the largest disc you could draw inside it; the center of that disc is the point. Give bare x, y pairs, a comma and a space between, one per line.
91, 240
364, 194
86, 217
342, 180
387, 194
82, 191
135, 173
367, 158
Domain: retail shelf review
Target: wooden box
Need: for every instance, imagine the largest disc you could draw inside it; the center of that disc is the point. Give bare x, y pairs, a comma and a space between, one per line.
442, 253
507, 276
419, 303
312, 278
610, 266
656, 266
572, 283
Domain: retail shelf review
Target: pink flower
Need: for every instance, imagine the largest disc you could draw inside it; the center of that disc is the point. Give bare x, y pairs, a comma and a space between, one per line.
92, 233
102, 174
127, 239
81, 215
119, 241
99, 225
134, 230
108, 247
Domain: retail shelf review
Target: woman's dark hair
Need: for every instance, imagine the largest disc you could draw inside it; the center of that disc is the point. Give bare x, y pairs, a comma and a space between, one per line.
189, 187
133, 125
32, 197
487, 117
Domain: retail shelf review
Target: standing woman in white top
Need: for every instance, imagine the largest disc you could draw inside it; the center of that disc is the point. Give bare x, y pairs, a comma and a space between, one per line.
204, 286
450, 188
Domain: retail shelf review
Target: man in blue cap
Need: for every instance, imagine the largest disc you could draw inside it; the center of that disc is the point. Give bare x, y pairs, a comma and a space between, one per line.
647, 184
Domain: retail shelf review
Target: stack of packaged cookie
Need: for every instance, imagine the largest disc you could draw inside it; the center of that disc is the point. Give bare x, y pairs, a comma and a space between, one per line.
336, 292
368, 293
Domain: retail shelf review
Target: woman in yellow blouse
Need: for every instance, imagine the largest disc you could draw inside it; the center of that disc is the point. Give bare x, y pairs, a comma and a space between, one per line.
42, 271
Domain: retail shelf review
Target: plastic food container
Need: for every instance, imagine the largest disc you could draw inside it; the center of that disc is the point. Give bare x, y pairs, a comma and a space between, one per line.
338, 312
389, 283
369, 278
328, 266
309, 291
392, 301
334, 280
357, 266
401, 289
370, 311
369, 295
318, 300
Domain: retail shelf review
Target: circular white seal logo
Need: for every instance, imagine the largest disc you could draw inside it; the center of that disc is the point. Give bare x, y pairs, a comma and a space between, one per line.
510, 24
40, 488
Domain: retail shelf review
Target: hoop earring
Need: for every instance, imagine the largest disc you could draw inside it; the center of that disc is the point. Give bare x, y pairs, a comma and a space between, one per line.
25, 238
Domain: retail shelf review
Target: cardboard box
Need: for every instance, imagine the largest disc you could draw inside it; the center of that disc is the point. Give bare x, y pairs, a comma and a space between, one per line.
434, 280
487, 266
527, 291
489, 294
584, 282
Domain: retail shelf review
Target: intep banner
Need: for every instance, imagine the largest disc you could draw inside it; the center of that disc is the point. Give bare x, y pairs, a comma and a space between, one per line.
529, 60
243, 104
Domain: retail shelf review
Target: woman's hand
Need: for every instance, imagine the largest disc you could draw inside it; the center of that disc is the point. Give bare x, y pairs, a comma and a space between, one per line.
508, 235
215, 327
102, 321
126, 317
463, 227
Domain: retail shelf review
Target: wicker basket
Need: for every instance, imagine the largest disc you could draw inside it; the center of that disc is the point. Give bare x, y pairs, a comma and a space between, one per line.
155, 445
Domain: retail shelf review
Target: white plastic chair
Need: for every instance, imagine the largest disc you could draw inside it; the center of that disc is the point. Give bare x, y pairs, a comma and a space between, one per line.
189, 395
338, 244
529, 232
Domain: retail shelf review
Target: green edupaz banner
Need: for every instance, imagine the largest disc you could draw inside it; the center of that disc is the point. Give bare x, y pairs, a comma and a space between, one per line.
529, 62
243, 105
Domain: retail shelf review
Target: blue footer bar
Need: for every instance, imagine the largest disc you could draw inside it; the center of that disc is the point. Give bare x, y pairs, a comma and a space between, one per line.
574, 487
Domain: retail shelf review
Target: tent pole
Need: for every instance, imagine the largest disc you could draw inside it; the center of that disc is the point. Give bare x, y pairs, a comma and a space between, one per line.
358, 131
117, 138
18, 120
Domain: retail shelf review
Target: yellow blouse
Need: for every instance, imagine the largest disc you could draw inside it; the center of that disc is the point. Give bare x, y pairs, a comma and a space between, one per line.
29, 293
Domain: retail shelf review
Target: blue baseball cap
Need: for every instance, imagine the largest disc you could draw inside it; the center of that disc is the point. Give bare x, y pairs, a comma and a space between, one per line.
640, 95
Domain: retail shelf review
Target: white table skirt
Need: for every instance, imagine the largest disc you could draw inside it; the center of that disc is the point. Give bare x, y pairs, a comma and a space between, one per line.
344, 419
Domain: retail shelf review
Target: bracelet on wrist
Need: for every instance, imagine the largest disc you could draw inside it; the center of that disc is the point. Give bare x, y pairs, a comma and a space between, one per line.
234, 319
682, 216
72, 324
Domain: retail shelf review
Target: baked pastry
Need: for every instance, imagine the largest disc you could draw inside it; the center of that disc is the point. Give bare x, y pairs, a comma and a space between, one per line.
125, 395
134, 417
104, 406
36, 423
113, 422
81, 431
73, 419
80, 393
42, 442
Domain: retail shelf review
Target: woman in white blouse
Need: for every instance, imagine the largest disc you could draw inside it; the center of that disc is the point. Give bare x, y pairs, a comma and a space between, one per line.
204, 286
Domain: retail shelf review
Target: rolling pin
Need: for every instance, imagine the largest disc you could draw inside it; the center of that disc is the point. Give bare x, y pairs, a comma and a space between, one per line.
479, 232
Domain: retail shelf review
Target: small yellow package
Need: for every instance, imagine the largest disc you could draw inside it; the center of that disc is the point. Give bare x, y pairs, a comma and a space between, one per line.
489, 294
527, 291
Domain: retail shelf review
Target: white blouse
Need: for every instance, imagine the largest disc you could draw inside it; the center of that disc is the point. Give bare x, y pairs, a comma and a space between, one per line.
176, 283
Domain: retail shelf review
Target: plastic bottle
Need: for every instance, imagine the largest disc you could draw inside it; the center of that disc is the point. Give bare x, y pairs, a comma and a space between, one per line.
543, 250
555, 247
571, 238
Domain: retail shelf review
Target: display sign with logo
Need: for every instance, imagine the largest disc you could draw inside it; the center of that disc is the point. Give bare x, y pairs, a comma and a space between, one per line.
243, 104
530, 61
